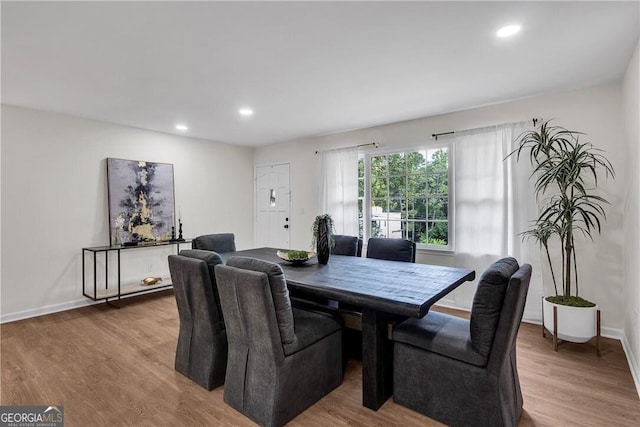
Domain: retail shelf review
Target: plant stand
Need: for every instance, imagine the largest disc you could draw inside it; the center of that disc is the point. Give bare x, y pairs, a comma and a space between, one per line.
557, 341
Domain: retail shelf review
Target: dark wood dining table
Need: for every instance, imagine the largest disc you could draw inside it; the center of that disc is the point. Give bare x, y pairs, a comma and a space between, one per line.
384, 290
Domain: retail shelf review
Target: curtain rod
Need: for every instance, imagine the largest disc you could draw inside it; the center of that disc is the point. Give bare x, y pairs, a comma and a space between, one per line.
375, 145
535, 120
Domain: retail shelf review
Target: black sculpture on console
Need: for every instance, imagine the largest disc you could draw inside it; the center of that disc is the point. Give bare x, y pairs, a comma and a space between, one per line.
180, 238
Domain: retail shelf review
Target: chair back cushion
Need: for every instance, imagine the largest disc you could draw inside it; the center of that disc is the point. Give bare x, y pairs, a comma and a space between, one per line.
344, 245
221, 242
195, 293
391, 249
279, 292
510, 318
211, 259
487, 303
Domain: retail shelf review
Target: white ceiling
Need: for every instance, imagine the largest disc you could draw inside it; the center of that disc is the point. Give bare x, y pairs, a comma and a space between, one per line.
306, 68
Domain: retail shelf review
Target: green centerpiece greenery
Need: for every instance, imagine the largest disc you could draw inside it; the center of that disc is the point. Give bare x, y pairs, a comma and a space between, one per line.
297, 255
565, 172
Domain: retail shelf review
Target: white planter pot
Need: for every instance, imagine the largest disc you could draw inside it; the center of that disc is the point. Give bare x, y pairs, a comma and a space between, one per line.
575, 324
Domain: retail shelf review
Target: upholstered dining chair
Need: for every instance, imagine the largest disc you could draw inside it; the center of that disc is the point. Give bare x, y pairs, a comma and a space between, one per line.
464, 372
201, 354
281, 359
221, 242
346, 245
391, 249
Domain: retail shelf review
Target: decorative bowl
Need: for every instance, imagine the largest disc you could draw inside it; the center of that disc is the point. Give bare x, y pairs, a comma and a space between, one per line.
149, 281
297, 261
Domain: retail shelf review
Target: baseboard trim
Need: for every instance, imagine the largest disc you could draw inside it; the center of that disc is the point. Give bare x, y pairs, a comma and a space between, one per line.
633, 364
50, 309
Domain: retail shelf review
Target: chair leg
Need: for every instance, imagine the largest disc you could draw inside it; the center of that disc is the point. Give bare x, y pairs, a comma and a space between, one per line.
555, 328
544, 335
598, 333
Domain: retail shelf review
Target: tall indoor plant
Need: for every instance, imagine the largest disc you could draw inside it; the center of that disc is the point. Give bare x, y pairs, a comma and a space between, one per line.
566, 172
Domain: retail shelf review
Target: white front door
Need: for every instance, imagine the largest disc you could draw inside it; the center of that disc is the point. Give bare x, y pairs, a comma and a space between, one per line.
273, 198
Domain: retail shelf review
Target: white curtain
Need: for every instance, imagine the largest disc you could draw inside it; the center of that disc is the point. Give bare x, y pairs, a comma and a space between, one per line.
339, 188
494, 203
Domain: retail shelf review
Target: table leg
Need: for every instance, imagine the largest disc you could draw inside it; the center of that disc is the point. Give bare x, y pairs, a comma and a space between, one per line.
377, 359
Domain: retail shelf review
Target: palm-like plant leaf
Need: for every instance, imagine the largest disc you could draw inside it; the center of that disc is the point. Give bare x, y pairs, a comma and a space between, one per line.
564, 171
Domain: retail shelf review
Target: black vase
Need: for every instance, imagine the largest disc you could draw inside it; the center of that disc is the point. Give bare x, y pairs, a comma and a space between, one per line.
322, 239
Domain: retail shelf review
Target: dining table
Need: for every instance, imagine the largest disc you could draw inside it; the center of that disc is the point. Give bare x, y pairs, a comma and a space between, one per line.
384, 291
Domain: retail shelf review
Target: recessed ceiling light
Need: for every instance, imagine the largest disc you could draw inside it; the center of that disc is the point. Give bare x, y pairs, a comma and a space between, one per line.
246, 112
508, 31
182, 127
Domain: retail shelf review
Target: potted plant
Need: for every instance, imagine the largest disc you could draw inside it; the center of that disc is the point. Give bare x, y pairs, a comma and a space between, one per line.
566, 173
322, 236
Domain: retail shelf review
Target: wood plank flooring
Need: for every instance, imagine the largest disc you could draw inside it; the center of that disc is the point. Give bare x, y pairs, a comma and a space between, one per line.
114, 367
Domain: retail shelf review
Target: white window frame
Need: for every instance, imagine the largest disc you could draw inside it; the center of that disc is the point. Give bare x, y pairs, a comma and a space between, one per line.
366, 205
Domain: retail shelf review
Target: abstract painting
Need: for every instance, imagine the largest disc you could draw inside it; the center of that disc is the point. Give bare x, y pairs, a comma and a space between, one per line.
141, 201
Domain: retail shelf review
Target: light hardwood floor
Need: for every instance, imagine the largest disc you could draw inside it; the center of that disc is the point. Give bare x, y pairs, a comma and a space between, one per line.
115, 368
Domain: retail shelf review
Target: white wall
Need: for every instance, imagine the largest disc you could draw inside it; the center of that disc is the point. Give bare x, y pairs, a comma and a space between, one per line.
595, 111
54, 200
631, 95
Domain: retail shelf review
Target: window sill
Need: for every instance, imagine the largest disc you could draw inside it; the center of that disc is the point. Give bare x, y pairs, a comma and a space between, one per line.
435, 252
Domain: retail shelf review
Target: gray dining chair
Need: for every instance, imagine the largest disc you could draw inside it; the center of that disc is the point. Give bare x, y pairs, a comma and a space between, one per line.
281, 359
201, 353
346, 245
391, 249
464, 372
378, 248
221, 242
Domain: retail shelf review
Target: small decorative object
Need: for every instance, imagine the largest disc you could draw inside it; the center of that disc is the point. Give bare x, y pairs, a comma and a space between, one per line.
322, 237
148, 281
566, 173
180, 238
173, 233
295, 257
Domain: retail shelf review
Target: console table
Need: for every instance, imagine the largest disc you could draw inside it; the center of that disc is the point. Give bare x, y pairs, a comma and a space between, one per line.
115, 290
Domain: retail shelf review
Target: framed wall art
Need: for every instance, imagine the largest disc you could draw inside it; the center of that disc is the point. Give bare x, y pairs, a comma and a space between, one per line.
141, 201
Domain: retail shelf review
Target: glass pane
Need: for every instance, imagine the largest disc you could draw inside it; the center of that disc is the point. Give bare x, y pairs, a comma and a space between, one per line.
438, 233
397, 209
438, 160
397, 186
438, 183
438, 208
360, 217
397, 165
418, 231
377, 229
416, 185
379, 187
379, 166
360, 168
361, 187
416, 162
379, 209
396, 231
417, 208
272, 197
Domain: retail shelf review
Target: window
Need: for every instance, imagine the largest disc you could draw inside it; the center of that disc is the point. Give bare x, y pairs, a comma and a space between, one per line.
405, 195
